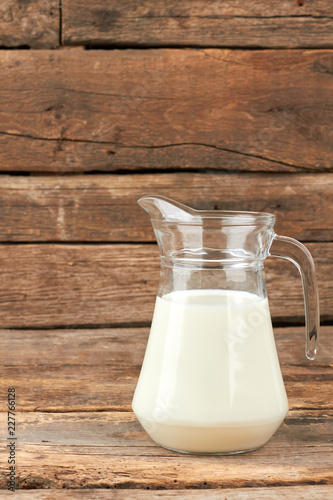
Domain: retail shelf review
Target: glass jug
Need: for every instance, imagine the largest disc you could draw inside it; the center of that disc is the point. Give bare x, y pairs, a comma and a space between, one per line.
210, 382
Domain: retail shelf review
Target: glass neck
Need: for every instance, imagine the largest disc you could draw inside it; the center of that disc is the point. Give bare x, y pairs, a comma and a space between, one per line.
210, 244
248, 279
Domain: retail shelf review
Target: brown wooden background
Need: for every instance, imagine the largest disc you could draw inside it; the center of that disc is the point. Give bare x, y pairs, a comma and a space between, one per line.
221, 105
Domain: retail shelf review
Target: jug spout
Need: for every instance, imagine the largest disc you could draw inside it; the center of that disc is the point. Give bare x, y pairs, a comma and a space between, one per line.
208, 235
164, 209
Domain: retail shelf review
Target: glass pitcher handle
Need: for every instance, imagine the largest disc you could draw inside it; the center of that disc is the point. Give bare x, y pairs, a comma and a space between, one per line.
293, 250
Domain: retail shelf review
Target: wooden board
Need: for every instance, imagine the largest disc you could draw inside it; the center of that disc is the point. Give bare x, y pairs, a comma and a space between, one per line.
32, 23
104, 208
306, 492
111, 449
95, 285
97, 370
232, 23
166, 109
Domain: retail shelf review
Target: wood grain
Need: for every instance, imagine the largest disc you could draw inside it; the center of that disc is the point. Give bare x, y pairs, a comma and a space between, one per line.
97, 370
95, 285
306, 492
76, 110
109, 449
122, 430
112, 450
230, 23
32, 23
263, 114
104, 208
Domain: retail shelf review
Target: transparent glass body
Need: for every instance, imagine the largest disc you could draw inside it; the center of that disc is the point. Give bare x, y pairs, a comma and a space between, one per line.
211, 382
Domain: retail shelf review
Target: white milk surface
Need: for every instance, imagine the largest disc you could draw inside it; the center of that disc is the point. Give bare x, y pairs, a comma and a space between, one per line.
211, 380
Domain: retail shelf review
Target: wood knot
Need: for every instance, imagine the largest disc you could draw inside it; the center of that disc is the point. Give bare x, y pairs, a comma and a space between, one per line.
7, 15
33, 28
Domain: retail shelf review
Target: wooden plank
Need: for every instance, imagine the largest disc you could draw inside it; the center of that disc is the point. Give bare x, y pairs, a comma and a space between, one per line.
95, 285
306, 492
122, 430
35, 24
230, 23
76, 110
97, 370
111, 449
104, 208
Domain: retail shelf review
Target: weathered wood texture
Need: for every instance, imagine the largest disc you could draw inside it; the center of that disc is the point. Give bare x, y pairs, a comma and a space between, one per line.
111, 449
75, 110
306, 492
233, 23
97, 370
33, 23
58, 285
104, 208
266, 114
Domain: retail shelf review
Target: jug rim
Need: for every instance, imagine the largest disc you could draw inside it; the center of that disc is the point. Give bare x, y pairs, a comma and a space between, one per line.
188, 216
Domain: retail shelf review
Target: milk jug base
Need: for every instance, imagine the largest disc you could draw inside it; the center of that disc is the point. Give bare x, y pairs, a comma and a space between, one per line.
227, 439
212, 453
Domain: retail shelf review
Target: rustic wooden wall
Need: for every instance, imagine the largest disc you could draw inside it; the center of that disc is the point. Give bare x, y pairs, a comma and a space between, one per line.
215, 127
222, 105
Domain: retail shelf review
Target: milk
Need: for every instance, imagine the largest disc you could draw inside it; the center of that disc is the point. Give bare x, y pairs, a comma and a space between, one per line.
211, 380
